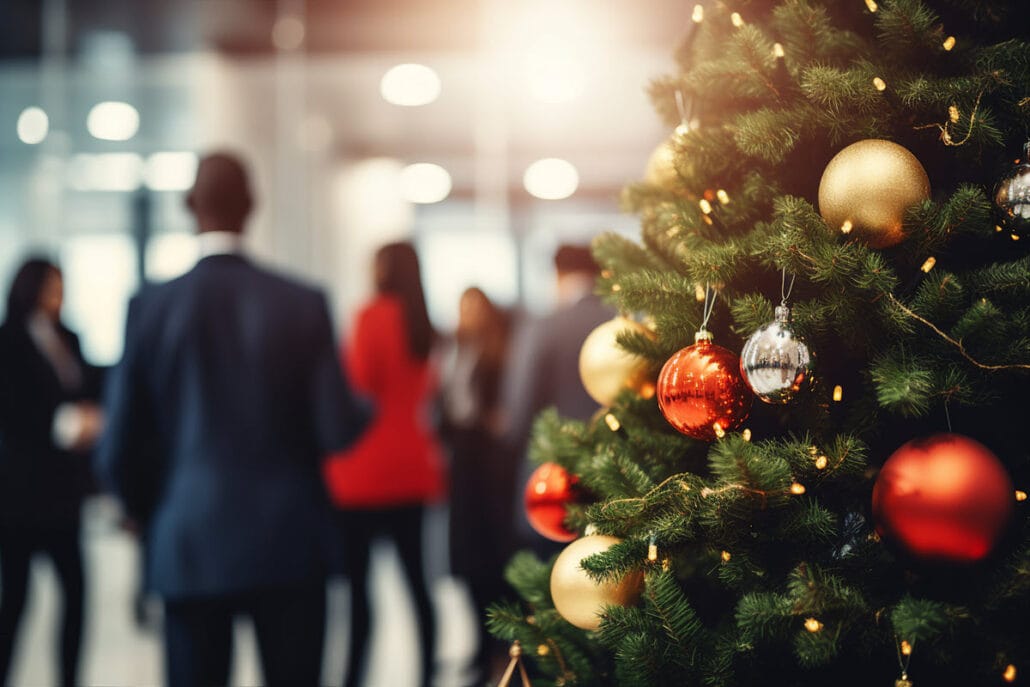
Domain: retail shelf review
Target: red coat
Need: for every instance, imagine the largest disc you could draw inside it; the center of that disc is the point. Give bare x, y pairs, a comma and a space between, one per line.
398, 460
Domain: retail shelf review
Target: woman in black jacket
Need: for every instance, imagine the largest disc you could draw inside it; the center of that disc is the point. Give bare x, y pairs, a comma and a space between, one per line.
48, 419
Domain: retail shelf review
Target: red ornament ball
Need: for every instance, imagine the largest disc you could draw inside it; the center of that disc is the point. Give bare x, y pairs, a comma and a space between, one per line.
700, 388
943, 498
549, 490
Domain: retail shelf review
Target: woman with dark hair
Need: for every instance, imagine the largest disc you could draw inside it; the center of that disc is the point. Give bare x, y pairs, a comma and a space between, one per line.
481, 476
382, 485
48, 418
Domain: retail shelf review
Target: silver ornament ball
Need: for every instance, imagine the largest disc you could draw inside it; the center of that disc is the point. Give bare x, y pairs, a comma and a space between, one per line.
1012, 196
775, 363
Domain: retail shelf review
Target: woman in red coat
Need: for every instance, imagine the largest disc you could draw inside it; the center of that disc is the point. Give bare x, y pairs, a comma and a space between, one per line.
382, 485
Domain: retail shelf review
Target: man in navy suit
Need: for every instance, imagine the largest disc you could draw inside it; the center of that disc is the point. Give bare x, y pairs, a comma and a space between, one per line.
228, 394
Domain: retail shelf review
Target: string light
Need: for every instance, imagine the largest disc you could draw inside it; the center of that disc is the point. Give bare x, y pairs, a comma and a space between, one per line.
778, 51
612, 422
543, 650
928, 265
737, 20
723, 197
953, 114
906, 648
879, 84
949, 43
652, 550
706, 207
1020, 495
726, 556
699, 293
719, 431
846, 227
812, 450
1015, 237
1010, 673
871, 4
616, 288
813, 625
682, 129
699, 14
838, 393
746, 434
821, 462
797, 488
997, 228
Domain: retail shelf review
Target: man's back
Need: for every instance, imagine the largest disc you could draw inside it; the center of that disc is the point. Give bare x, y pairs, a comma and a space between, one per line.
228, 395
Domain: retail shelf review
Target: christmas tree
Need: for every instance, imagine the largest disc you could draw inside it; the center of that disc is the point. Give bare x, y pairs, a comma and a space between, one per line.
852, 161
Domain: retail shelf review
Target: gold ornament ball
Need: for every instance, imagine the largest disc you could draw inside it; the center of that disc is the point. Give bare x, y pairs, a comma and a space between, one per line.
577, 597
868, 186
606, 368
661, 167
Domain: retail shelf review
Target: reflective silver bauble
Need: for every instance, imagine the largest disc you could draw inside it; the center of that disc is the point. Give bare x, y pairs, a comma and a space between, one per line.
1012, 196
775, 363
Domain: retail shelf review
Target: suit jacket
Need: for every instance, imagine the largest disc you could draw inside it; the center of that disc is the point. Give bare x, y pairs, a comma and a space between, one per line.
228, 395
41, 486
544, 372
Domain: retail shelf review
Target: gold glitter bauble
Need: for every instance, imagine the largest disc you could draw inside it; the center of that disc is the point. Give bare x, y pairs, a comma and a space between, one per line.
577, 597
661, 167
606, 368
868, 186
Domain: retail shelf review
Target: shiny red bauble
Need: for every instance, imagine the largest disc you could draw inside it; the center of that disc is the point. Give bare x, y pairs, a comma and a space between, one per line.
549, 490
701, 393
943, 498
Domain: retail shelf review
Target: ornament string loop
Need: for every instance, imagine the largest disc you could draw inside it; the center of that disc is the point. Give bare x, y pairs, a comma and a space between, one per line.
786, 290
516, 660
947, 414
904, 651
709, 306
684, 112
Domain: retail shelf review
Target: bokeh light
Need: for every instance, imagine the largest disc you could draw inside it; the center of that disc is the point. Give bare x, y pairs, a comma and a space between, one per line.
410, 85
551, 179
33, 125
424, 182
170, 171
113, 121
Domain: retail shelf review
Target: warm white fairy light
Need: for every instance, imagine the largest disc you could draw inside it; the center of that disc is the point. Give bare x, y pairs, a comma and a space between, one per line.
1020, 495
778, 51
699, 293
705, 206
928, 264
821, 462
699, 14
723, 197
746, 434
813, 625
838, 393
871, 4
906, 648
1010, 673
846, 227
797, 488
719, 431
612, 422
953, 114
949, 43
879, 84
737, 20
726, 556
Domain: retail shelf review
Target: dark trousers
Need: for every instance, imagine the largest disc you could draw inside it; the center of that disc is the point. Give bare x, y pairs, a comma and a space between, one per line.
16, 551
290, 629
402, 526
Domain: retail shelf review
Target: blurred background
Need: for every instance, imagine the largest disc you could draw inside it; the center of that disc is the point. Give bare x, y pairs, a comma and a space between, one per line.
488, 131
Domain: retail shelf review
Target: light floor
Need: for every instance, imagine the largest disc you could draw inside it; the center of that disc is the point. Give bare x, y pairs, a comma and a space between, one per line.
117, 652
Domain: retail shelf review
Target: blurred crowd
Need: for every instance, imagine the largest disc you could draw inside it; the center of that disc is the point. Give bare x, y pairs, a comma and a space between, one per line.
255, 457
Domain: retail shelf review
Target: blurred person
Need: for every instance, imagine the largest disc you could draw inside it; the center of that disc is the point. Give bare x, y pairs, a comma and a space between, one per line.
544, 370
479, 504
227, 396
48, 420
382, 486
